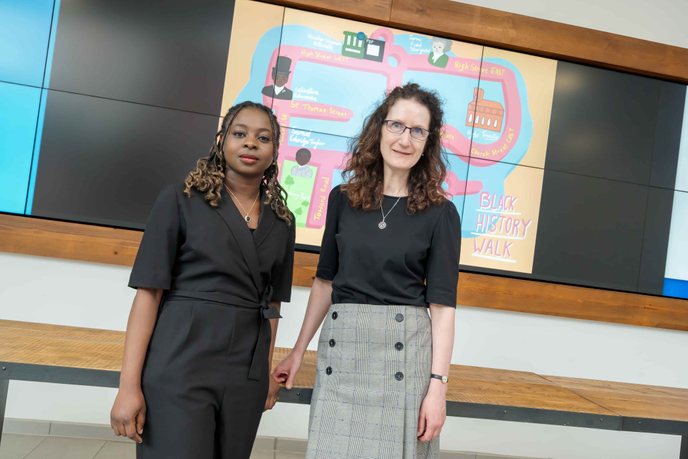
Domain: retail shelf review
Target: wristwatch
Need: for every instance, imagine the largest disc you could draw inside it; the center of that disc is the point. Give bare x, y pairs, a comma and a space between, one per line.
442, 378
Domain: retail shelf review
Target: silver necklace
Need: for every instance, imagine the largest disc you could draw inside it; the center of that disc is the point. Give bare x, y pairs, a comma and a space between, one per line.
382, 225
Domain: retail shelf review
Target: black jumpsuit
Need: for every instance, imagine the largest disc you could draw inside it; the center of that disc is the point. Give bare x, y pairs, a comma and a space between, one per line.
205, 378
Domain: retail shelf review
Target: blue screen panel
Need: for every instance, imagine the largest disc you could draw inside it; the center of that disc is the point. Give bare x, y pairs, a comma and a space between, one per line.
676, 272
24, 34
18, 116
675, 287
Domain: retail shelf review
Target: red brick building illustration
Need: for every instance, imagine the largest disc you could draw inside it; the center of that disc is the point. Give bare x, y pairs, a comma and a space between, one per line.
488, 114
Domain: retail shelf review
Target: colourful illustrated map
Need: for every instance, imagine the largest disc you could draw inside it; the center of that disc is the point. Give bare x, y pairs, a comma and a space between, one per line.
323, 76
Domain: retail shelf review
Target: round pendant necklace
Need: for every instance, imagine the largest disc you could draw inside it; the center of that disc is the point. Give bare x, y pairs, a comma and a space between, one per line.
382, 225
246, 217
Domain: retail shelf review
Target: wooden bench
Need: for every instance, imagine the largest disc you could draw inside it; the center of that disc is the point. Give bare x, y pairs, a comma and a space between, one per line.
82, 356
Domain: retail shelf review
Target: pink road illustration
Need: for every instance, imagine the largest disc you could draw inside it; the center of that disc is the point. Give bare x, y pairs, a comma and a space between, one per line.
453, 140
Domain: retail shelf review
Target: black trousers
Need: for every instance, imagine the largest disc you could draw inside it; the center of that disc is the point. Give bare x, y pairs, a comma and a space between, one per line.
200, 402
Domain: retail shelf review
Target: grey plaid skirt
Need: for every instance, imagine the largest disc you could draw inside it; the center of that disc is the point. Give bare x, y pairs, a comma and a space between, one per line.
373, 371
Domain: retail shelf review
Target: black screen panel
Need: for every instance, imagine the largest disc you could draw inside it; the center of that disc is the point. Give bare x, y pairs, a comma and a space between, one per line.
590, 231
655, 241
603, 123
105, 161
668, 134
164, 53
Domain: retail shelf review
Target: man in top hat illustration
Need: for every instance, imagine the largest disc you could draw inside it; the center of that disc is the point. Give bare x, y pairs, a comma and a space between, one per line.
280, 76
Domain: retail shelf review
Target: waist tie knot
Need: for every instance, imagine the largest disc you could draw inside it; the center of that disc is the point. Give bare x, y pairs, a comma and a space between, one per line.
268, 311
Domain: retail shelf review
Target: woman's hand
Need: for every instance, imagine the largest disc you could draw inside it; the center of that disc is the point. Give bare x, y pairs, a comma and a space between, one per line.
129, 414
433, 411
273, 394
286, 370
129, 410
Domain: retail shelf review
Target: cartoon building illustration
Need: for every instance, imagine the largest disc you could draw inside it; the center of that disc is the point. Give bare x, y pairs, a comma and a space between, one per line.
374, 50
488, 114
354, 45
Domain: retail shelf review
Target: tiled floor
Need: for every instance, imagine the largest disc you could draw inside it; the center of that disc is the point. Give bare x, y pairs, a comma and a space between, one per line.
15, 446
34, 447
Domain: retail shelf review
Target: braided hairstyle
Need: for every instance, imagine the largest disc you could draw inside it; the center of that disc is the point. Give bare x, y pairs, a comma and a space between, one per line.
208, 177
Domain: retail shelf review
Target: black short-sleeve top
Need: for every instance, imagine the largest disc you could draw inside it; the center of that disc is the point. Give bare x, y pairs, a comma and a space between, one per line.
413, 261
188, 245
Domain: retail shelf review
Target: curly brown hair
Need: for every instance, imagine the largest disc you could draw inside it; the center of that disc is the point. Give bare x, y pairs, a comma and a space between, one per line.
208, 177
363, 175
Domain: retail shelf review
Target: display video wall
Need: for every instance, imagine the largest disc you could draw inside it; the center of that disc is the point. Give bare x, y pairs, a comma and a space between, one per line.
560, 171
676, 275
334, 70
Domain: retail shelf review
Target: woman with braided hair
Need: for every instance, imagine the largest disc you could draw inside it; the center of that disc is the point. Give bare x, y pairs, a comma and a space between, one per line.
214, 265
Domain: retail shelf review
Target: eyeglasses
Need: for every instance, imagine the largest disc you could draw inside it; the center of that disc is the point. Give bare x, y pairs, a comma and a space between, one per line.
417, 133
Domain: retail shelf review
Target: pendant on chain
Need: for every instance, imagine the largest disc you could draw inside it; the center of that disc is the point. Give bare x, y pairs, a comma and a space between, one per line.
247, 218
382, 225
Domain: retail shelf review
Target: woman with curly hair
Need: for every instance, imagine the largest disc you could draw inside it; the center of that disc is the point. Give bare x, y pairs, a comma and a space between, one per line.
214, 264
390, 250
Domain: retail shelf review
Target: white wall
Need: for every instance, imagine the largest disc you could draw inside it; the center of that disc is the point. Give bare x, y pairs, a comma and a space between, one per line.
662, 21
95, 295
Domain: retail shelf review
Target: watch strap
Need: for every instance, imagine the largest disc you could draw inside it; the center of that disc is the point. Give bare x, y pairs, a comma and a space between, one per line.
444, 379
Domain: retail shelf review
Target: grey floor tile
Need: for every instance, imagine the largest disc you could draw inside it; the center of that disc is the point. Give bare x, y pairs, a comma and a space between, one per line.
291, 445
262, 454
66, 448
26, 427
496, 456
456, 455
18, 446
264, 443
285, 455
117, 450
75, 430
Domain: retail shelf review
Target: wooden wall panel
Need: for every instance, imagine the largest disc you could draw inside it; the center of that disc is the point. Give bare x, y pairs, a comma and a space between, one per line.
538, 36
376, 11
73, 241
305, 265
516, 32
536, 297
